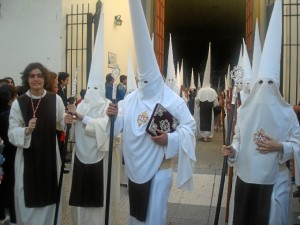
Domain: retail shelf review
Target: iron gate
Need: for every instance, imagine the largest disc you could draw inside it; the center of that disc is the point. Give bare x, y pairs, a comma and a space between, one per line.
79, 42
290, 50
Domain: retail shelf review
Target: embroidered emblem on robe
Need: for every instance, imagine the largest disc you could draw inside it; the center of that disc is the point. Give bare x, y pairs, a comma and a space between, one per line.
142, 118
260, 135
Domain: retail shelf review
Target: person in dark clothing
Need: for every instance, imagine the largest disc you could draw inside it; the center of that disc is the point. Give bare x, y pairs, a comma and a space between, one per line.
51, 85
34, 118
192, 97
121, 88
7, 96
63, 81
109, 86
82, 94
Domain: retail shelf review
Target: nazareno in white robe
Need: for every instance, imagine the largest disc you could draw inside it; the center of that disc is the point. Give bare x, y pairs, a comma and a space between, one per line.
143, 156
92, 145
16, 133
205, 94
280, 122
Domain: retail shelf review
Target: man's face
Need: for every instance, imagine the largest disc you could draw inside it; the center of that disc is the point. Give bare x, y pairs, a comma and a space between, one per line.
65, 82
125, 81
36, 79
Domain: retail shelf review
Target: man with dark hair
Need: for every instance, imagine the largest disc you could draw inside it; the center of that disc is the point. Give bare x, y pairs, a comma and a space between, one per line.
109, 86
121, 89
82, 94
10, 81
63, 81
33, 120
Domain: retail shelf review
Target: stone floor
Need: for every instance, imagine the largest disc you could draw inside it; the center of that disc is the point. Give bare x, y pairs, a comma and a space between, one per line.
189, 208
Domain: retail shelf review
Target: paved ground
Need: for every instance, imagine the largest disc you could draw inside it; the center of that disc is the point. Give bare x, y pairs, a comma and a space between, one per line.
187, 208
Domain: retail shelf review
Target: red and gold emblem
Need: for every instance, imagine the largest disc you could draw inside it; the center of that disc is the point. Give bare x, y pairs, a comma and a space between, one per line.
260, 135
142, 118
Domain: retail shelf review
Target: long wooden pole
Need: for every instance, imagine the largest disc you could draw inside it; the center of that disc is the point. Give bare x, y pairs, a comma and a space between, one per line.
230, 170
116, 74
224, 168
110, 154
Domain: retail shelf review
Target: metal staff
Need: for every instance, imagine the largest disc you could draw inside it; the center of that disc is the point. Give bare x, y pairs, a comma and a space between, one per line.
63, 153
115, 73
236, 74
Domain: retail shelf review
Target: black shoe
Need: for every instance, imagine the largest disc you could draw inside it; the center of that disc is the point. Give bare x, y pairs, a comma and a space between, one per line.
66, 171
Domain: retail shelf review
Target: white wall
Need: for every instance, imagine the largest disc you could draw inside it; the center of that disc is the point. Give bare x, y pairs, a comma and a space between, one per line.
30, 31
118, 39
35, 31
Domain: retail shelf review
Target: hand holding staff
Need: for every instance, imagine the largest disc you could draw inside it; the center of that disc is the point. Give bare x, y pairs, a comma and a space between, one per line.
224, 168
236, 74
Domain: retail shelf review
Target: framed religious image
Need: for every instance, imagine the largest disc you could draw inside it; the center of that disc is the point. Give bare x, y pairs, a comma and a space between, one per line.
112, 60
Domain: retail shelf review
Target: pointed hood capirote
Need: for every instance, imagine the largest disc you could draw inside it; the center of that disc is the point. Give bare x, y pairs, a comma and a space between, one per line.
95, 94
256, 55
207, 72
171, 79
180, 75
246, 70
94, 106
198, 82
177, 72
138, 107
131, 81
206, 93
192, 82
96, 76
246, 66
228, 79
270, 58
150, 81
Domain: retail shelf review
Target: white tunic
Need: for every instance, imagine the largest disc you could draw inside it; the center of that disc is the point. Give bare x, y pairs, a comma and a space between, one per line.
199, 132
143, 156
16, 133
284, 129
92, 145
270, 112
205, 94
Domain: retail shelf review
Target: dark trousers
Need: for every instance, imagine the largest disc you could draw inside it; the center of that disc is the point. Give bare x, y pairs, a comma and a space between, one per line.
251, 203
